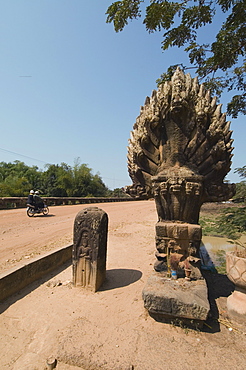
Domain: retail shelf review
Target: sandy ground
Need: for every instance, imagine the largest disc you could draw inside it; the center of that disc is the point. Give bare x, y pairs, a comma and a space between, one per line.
109, 329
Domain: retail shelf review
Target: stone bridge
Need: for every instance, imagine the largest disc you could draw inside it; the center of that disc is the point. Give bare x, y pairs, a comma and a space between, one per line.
20, 202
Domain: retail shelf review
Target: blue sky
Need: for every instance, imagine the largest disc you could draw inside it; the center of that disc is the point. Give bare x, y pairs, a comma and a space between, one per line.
71, 87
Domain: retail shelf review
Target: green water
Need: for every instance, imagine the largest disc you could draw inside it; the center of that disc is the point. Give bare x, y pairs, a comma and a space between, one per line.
215, 243
216, 248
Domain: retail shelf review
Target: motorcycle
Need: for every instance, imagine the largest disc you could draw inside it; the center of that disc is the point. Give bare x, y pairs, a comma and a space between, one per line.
31, 210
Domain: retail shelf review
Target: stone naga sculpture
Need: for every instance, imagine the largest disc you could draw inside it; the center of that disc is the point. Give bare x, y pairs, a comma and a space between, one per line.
179, 152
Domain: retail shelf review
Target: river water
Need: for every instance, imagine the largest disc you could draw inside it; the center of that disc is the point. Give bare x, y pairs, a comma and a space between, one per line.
215, 243
213, 250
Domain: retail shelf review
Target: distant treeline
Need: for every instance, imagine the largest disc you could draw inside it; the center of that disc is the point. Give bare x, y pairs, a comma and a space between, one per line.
17, 179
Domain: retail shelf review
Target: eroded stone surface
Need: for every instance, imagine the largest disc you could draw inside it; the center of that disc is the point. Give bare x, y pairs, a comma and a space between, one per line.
236, 269
90, 248
236, 306
180, 149
179, 152
176, 298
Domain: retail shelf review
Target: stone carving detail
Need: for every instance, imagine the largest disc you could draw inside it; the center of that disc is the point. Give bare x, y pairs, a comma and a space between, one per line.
179, 152
181, 132
177, 197
236, 269
90, 248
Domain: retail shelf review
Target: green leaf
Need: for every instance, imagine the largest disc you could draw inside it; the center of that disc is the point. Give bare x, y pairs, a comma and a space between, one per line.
120, 11
161, 15
220, 63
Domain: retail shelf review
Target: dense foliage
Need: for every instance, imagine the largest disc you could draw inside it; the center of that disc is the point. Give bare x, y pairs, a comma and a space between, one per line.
17, 179
241, 186
231, 221
220, 62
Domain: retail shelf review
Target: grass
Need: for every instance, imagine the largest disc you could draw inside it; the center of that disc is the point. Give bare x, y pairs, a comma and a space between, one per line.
220, 261
210, 220
209, 226
217, 219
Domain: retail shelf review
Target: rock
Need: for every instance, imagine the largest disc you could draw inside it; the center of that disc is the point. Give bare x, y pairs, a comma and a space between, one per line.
236, 305
54, 283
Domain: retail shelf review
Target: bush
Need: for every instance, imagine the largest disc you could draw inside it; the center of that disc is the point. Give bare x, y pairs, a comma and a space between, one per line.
232, 222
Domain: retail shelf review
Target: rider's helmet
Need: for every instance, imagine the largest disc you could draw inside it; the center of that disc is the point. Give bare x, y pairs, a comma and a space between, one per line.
31, 191
36, 192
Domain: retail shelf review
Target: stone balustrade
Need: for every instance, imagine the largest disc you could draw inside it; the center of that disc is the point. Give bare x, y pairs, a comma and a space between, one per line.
20, 202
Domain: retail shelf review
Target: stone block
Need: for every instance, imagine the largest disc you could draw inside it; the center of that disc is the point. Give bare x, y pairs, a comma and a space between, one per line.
175, 230
194, 232
161, 229
236, 306
180, 231
176, 298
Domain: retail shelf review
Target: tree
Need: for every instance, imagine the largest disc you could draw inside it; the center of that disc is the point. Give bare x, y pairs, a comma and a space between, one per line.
77, 181
240, 195
97, 187
14, 186
232, 222
119, 192
85, 183
219, 64
16, 179
241, 186
241, 171
53, 181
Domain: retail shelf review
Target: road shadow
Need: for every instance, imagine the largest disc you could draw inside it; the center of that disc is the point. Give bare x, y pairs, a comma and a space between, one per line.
41, 215
118, 278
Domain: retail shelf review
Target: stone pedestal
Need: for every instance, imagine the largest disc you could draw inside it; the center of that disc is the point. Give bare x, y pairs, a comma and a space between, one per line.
182, 233
236, 272
177, 247
236, 305
167, 299
90, 248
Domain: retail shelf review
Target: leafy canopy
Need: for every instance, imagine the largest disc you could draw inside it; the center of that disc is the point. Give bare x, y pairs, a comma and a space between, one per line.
220, 64
16, 179
241, 171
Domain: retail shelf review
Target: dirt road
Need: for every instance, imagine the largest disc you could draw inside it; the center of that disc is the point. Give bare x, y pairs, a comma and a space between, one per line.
23, 237
109, 329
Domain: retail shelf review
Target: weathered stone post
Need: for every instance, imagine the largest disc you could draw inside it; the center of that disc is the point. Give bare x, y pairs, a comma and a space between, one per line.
90, 248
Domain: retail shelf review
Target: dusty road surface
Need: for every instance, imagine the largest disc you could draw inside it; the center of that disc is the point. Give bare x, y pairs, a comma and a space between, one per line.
110, 329
23, 237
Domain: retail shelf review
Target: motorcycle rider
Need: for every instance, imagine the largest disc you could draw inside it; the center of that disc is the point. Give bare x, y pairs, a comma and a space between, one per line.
30, 200
38, 202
